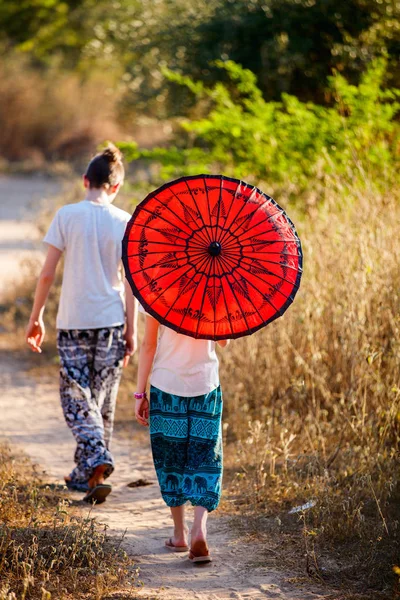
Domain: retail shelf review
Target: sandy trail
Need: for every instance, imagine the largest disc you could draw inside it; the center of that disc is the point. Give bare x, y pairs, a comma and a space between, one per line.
21, 198
31, 418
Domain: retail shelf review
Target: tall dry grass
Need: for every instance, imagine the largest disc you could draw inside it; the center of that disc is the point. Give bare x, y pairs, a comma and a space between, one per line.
313, 401
54, 115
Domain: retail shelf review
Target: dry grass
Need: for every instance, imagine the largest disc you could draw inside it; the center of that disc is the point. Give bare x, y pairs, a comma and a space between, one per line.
312, 403
45, 551
52, 115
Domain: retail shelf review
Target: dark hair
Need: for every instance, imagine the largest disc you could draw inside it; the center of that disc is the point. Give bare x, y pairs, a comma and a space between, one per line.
106, 168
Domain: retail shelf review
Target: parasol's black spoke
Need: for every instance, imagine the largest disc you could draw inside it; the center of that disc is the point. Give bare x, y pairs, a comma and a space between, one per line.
147, 242
218, 212
245, 204
282, 212
171, 284
154, 252
208, 276
268, 252
258, 252
294, 240
237, 302
164, 275
181, 293
208, 203
172, 224
259, 207
160, 231
228, 211
170, 209
231, 245
197, 206
249, 298
276, 290
215, 305
231, 264
263, 295
268, 242
192, 296
233, 200
233, 252
199, 244
269, 273
272, 262
227, 310
198, 253
159, 264
283, 251
250, 215
231, 258
183, 206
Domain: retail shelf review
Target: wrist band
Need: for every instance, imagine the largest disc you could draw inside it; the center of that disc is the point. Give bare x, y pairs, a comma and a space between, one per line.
140, 396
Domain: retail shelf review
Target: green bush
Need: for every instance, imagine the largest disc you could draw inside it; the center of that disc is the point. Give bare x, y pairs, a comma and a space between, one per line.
299, 144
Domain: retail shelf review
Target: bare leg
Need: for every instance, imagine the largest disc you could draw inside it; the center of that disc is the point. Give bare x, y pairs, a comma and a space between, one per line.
199, 528
180, 537
199, 551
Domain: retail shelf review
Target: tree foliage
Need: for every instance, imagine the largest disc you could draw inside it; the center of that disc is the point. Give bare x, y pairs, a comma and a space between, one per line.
288, 141
292, 46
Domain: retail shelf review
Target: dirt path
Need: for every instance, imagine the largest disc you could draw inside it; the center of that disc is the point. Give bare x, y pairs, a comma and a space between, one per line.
21, 198
31, 418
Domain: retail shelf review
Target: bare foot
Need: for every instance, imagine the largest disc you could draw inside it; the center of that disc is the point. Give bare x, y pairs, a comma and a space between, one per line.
97, 477
198, 535
180, 538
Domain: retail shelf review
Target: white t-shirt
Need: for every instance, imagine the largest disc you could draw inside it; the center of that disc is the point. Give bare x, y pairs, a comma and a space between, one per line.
184, 366
90, 234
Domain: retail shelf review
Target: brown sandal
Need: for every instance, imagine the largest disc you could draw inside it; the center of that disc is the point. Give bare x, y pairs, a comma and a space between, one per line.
199, 552
169, 544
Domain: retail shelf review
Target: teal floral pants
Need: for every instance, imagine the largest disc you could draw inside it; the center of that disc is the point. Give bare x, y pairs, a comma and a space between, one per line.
186, 443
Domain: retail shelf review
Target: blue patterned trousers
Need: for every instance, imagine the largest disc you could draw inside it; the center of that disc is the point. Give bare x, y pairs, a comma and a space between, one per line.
90, 372
186, 441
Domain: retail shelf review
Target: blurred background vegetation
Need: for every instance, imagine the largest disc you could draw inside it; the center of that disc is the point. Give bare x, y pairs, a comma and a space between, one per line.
300, 97
66, 56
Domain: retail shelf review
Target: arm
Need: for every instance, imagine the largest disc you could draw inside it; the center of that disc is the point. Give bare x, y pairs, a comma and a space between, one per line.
130, 335
146, 357
223, 343
35, 330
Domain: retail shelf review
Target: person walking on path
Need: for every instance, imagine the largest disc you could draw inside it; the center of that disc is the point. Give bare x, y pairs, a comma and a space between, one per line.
96, 318
184, 414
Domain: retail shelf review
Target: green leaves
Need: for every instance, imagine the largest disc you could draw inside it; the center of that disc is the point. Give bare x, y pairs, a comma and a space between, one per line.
287, 141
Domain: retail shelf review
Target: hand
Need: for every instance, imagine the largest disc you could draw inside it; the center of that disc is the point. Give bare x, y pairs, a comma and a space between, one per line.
35, 334
142, 411
130, 346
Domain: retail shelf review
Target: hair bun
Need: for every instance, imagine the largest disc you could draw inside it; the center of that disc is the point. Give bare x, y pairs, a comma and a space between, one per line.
112, 154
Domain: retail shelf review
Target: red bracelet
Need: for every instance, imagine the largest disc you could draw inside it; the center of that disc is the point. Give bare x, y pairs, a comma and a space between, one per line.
140, 396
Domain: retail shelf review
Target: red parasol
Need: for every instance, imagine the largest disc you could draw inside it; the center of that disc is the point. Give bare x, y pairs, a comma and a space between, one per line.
212, 257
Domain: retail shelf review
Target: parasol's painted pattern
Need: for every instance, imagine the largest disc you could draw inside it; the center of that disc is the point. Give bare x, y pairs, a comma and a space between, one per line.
212, 257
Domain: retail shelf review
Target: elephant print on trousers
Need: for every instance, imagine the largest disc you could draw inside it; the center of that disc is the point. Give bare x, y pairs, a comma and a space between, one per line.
167, 402
171, 482
186, 443
201, 484
187, 485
